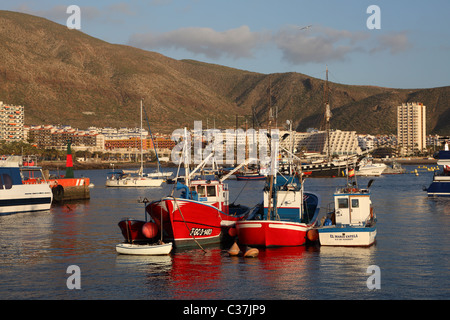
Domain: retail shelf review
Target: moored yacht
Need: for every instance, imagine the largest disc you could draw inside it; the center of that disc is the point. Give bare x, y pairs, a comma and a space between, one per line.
15, 196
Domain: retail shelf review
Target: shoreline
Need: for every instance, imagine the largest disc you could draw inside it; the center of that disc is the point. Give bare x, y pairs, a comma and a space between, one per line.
61, 165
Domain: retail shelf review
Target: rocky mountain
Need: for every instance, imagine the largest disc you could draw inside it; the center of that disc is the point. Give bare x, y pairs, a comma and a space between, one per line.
64, 76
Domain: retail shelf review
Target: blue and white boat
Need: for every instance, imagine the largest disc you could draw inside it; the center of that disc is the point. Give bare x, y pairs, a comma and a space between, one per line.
440, 186
16, 196
352, 223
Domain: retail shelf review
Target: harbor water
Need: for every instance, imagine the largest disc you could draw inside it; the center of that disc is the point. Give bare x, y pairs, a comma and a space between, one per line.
412, 251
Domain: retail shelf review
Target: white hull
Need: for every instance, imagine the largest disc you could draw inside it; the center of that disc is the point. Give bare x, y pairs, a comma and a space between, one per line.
371, 170
134, 182
332, 236
25, 198
158, 174
144, 249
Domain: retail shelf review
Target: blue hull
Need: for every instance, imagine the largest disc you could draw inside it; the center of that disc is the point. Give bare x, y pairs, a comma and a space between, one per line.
439, 189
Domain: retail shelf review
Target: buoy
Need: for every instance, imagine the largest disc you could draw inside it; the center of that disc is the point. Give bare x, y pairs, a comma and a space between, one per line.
312, 235
232, 232
150, 230
251, 253
234, 250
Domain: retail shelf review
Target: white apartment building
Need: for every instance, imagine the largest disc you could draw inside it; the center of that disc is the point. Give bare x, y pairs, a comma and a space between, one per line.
11, 122
411, 127
341, 142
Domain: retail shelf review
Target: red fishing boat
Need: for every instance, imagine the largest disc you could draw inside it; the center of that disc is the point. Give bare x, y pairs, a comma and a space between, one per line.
201, 214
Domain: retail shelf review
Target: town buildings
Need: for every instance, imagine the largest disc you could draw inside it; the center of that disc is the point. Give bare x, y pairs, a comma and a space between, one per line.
11, 122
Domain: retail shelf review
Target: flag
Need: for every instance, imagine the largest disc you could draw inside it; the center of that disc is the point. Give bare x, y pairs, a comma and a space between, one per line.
351, 173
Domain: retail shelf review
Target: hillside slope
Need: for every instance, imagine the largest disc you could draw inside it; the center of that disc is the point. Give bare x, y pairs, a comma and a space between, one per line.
64, 76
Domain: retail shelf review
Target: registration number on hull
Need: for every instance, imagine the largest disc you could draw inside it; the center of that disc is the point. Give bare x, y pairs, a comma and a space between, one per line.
200, 232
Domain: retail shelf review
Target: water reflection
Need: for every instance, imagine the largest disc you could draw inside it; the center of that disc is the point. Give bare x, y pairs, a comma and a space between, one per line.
412, 251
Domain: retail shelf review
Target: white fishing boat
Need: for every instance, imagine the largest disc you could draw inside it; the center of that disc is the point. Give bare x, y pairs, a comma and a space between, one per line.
16, 196
352, 223
144, 249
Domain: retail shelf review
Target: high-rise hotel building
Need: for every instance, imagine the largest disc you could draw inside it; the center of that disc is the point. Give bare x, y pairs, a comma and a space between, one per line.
411, 127
11, 122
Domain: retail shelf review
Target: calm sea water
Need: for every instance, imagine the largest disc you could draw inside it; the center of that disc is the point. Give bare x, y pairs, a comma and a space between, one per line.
412, 251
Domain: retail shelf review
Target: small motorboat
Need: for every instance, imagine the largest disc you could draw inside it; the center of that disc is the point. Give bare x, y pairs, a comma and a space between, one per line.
352, 223
153, 249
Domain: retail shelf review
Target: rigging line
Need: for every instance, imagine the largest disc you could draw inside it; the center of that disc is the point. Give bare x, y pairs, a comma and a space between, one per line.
151, 136
240, 192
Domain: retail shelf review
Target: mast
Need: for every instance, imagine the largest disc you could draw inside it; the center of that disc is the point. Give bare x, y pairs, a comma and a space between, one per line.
186, 157
327, 115
271, 177
142, 151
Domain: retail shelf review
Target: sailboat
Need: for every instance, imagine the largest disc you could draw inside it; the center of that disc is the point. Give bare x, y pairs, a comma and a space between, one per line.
132, 178
328, 168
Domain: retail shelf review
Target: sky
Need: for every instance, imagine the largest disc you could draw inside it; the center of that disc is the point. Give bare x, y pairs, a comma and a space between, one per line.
397, 44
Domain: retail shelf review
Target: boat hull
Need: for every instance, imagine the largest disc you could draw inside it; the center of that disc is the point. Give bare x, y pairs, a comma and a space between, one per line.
371, 170
440, 187
144, 249
250, 177
267, 233
132, 230
134, 182
186, 222
347, 236
324, 171
25, 198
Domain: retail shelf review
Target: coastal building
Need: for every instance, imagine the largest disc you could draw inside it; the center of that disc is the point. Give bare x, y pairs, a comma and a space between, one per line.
11, 122
411, 127
54, 137
314, 141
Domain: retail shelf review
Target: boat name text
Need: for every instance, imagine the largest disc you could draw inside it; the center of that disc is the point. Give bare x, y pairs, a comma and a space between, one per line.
200, 232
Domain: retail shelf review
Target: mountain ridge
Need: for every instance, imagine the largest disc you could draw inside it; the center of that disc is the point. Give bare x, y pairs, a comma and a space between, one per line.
64, 76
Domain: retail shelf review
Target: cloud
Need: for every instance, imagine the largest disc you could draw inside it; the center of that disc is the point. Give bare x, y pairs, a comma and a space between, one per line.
321, 45
297, 45
235, 43
394, 43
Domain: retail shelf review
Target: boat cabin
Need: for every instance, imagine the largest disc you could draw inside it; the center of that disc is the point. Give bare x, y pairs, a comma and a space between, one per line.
352, 206
212, 192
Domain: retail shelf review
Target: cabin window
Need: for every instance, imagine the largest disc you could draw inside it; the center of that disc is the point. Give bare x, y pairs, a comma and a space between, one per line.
7, 181
201, 191
355, 203
211, 191
343, 203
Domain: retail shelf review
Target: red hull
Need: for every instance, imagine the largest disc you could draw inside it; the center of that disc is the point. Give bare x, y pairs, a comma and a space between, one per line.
186, 221
267, 233
132, 230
